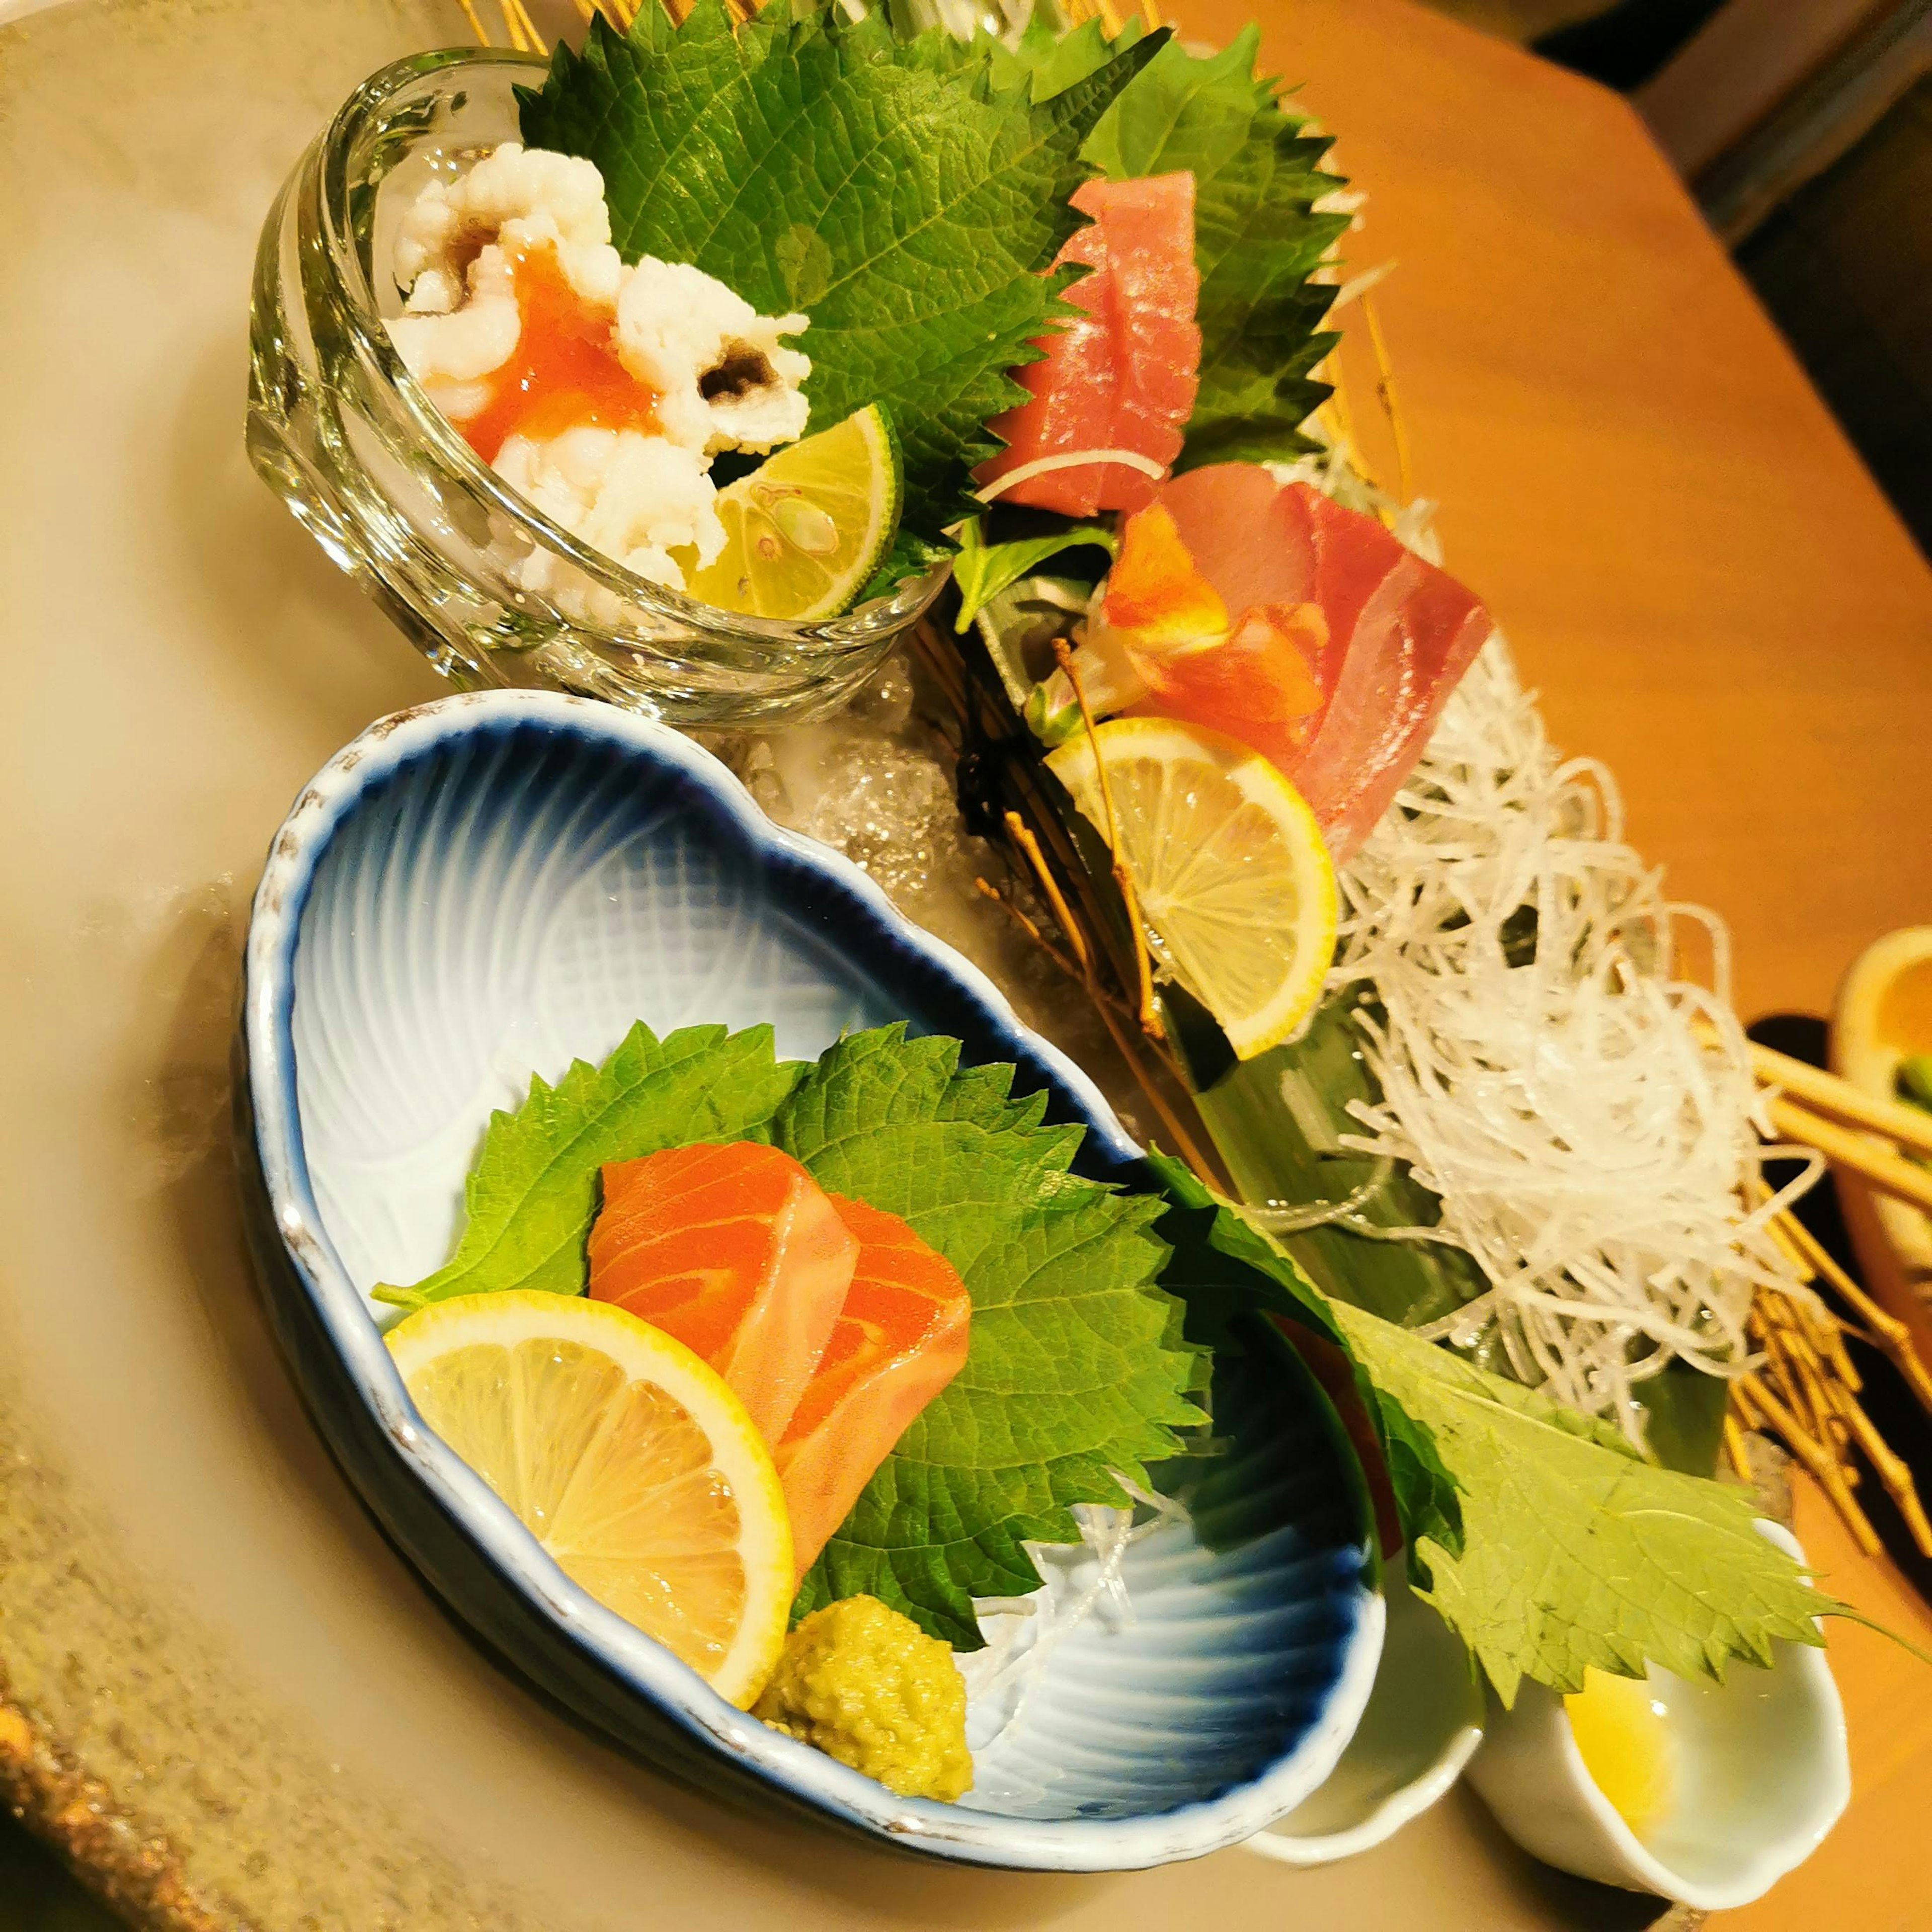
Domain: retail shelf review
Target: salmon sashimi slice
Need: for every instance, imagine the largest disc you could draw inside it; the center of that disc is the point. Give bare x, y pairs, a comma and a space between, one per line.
1122, 374
900, 1339
735, 1252
1342, 648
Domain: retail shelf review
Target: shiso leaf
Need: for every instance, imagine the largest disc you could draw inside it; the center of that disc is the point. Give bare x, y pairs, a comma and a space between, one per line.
1068, 1317
1540, 1535
982, 570
1576, 1553
1225, 1270
890, 188
1068, 1314
530, 1199
1257, 239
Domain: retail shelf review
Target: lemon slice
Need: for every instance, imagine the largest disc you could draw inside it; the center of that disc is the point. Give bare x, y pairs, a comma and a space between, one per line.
807, 528
626, 1457
1228, 864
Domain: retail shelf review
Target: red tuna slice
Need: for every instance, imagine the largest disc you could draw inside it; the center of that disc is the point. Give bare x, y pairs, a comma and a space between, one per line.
1400, 634
736, 1252
900, 1338
1122, 374
1411, 632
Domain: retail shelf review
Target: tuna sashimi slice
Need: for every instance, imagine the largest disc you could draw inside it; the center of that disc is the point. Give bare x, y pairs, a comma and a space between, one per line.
736, 1252
1395, 636
900, 1339
1123, 374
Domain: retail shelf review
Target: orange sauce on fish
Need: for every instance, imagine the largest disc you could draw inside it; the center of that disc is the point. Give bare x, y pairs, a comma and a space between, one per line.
564, 374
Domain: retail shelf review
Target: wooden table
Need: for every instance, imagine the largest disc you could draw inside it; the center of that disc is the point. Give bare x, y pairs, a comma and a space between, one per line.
1688, 559
192, 1606
1710, 592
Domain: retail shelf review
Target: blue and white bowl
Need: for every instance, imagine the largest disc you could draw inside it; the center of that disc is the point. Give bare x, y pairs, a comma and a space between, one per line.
494, 885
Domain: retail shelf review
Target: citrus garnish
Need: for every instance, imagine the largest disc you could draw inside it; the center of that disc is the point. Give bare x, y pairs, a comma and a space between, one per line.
807, 528
1622, 1730
626, 1457
1228, 862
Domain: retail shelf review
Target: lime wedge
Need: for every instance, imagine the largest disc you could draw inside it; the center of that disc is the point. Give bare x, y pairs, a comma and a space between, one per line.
806, 529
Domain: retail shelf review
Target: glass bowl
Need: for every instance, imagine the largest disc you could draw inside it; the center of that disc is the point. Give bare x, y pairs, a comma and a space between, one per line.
343, 434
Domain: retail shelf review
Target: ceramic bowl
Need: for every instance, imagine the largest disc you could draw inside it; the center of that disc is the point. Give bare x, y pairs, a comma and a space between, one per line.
1424, 1720
496, 884
1759, 1773
1884, 1015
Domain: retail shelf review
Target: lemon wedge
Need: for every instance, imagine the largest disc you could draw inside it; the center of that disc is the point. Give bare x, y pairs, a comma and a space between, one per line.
806, 531
626, 1457
1228, 862
1622, 1730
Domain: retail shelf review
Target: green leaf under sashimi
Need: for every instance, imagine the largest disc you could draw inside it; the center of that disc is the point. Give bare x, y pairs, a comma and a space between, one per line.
1258, 237
528, 1200
1076, 1368
894, 189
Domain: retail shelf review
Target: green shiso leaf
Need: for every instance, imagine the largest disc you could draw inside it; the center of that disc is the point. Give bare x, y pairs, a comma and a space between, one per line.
1076, 1368
1224, 1269
1542, 1538
1257, 239
1576, 1553
907, 555
982, 570
530, 1199
890, 188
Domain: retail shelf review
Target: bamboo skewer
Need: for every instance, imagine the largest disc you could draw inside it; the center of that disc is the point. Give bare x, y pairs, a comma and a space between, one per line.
1753, 1395
1890, 1173
1893, 1337
1827, 1094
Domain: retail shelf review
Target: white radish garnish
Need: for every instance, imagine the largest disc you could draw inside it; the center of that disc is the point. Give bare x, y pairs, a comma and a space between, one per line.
1074, 459
1588, 1114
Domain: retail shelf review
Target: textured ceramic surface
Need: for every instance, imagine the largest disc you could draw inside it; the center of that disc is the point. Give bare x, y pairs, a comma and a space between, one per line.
491, 885
1758, 1774
1424, 1720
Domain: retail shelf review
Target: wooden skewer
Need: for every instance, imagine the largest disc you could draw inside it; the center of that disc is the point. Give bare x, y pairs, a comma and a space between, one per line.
1892, 1471
1909, 1126
1753, 1395
1895, 1338
1734, 1442
1889, 1173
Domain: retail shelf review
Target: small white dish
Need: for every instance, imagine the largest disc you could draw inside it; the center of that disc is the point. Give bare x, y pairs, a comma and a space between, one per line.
1424, 1720
1760, 1774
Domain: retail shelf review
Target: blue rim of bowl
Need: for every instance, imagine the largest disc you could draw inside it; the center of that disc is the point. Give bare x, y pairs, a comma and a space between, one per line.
640, 1665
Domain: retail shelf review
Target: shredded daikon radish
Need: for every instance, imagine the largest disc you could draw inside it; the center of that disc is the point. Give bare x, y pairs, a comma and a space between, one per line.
1587, 1112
